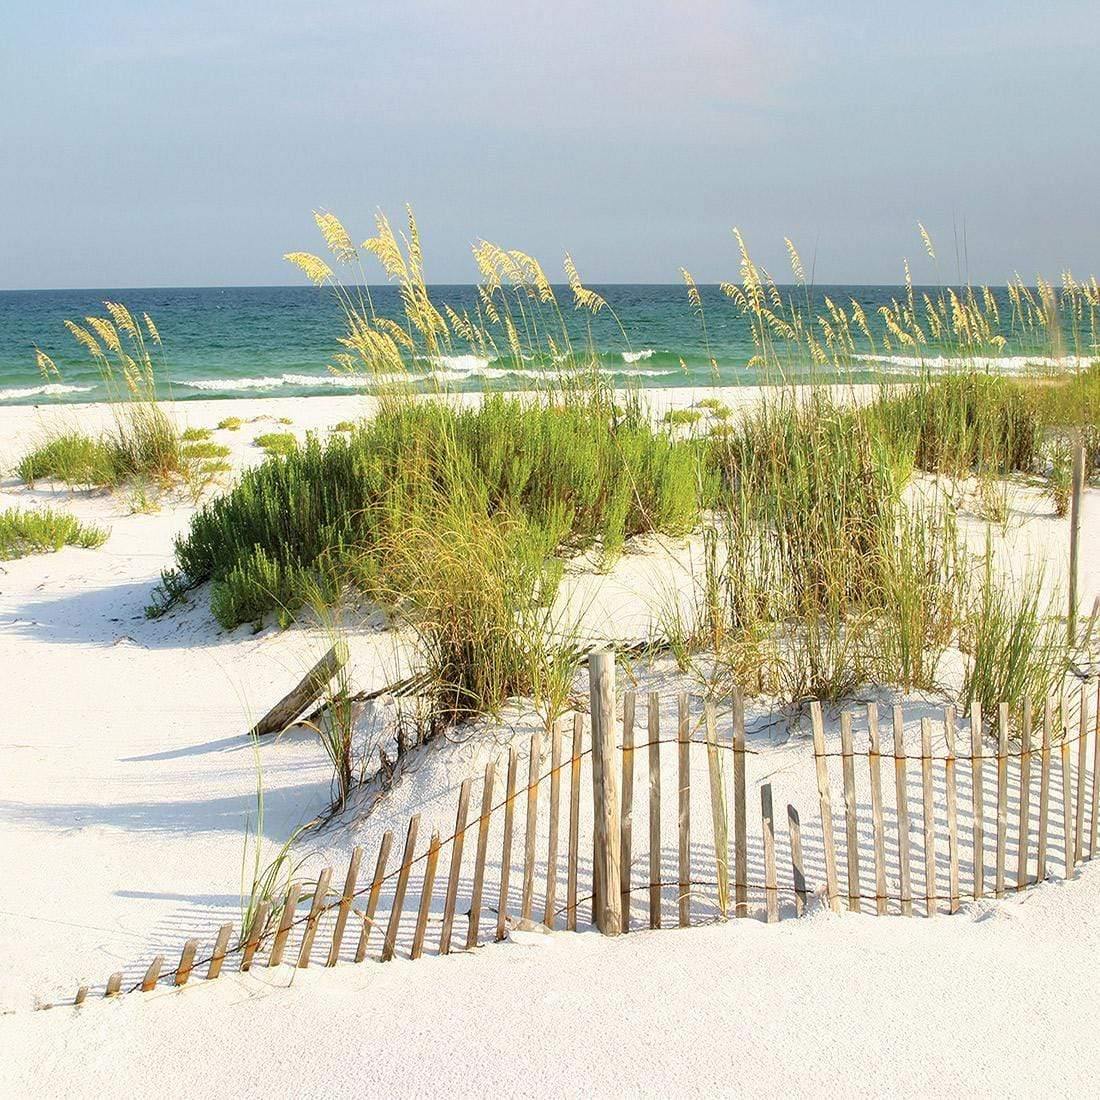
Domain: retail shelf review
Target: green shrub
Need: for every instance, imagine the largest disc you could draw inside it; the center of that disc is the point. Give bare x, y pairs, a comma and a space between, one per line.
230, 424
196, 435
277, 443
39, 530
205, 450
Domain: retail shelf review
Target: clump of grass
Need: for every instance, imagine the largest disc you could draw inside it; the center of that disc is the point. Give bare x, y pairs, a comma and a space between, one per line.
1014, 641
41, 530
73, 458
205, 450
277, 443
196, 435
344, 426
230, 424
284, 420
682, 418
143, 440
960, 424
718, 410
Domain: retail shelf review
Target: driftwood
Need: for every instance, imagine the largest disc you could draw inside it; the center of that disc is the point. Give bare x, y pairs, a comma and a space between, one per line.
307, 692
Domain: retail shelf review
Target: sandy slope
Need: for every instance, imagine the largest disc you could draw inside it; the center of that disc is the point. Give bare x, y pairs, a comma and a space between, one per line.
999, 1000
124, 803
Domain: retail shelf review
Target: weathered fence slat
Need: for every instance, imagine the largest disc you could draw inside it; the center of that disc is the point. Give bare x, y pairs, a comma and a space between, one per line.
389, 943
874, 765
1067, 801
221, 945
626, 827
1024, 829
375, 892
977, 797
684, 809
1095, 767
289, 907
1002, 798
574, 824
901, 790
1082, 772
826, 801
1044, 792
346, 899
951, 788
771, 891
527, 898
851, 809
740, 825
928, 818
425, 898
255, 932
315, 909
798, 872
187, 962
457, 844
152, 974
506, 851
81, 995
654, 734
479, 860
114, 985
552, 838
719, 820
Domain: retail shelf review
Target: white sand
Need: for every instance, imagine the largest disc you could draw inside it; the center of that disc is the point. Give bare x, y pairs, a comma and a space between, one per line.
128, 784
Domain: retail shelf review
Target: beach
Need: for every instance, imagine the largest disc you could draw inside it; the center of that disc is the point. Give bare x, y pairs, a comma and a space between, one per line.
131, 790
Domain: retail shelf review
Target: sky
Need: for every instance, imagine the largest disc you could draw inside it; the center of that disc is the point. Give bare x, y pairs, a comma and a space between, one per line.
186, 144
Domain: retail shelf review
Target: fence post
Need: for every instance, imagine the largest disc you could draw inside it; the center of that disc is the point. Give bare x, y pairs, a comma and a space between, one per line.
1075, 539
607, 884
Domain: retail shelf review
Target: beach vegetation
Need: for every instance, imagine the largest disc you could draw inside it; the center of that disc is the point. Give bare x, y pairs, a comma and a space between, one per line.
41, 530
230, 424
277, 443
196, 435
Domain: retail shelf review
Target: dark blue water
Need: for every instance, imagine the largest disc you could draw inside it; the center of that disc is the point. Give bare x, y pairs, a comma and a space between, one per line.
278, 341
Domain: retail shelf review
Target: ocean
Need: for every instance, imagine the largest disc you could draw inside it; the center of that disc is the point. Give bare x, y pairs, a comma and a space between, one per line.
228, 342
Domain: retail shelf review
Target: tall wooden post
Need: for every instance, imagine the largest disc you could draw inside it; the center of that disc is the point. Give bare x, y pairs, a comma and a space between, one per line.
601, 681
1075, 540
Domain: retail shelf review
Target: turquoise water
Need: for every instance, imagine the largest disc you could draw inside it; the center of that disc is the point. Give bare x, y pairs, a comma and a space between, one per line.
229, 342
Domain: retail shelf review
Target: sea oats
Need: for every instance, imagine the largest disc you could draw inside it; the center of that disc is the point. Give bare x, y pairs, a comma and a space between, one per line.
315, 269
927, 241
336, 236
106, 332
796, 261
46, 366
152, 328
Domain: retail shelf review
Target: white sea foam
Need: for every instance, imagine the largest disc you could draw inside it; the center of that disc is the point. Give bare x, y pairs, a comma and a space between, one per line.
274, 382
51, 389
638, 356
463, 364
1005, 364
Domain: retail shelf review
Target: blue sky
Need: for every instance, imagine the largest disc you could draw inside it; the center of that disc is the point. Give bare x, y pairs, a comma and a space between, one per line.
186, 144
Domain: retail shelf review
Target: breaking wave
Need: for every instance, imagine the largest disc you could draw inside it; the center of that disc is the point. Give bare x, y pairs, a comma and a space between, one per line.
51, 389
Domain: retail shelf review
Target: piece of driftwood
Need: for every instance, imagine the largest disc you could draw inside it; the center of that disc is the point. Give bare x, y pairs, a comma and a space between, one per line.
307, 691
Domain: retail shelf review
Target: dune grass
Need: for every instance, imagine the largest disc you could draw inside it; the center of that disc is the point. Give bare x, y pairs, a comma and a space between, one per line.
143, 440
40, 530
817, 575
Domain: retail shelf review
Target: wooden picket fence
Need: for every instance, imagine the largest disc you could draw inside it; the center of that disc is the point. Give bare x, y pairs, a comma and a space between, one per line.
627, 879
1018, 831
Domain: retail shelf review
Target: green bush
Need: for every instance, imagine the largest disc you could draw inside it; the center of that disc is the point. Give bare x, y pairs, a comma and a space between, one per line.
35, 531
